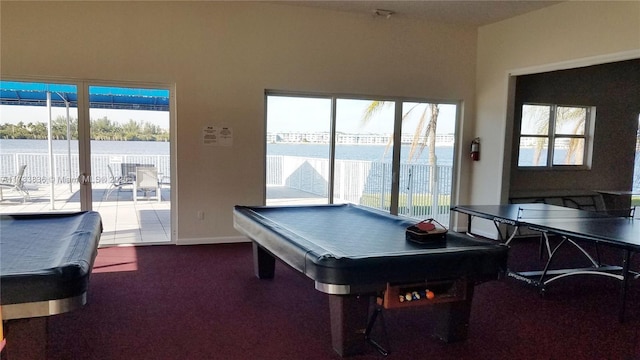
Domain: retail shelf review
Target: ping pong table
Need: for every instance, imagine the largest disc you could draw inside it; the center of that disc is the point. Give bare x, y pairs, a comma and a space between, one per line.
572, 226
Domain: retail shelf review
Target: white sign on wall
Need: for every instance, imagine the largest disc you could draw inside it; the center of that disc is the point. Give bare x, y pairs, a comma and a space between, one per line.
217, 136
225, 136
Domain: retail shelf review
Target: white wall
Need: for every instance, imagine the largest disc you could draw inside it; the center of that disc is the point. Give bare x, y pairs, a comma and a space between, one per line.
221, 56
570, 34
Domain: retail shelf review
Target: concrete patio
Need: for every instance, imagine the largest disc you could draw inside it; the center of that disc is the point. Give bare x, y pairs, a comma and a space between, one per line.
124, 221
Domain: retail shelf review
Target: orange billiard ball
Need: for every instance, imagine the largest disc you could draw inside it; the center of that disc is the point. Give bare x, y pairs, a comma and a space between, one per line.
430, 295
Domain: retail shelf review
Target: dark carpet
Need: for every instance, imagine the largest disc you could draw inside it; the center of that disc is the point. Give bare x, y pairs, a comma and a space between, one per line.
204, 302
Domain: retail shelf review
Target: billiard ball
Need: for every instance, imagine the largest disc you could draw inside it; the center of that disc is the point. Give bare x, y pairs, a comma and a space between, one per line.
430, 295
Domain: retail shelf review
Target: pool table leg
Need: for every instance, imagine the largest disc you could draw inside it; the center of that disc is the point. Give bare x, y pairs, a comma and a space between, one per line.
26, 338
264, 264
348, 315
451, 319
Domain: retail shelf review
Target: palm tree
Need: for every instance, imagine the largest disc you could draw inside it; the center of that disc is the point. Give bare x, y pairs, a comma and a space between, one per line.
131, 130
427, 124
425, 129
568, 121
575, 119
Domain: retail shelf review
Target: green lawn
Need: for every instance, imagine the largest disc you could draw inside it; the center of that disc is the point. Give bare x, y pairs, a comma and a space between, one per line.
421, 203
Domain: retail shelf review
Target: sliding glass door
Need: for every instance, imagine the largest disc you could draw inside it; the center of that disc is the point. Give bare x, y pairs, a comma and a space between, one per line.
389, 154
39, 149
363, 152
426, 166
77, 146
298, 150
131, 163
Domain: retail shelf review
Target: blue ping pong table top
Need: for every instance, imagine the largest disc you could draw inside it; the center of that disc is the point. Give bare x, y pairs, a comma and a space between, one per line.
574, 223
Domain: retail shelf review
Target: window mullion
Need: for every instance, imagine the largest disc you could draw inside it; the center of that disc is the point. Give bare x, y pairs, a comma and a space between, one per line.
332, 149
395, 164
552, 137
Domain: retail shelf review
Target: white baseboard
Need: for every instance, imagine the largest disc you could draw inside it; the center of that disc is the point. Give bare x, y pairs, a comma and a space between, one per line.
214, 240
487, 231
484, 228
487, 234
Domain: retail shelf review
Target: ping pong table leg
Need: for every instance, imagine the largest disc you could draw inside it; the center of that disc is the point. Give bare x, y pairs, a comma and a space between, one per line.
625, 283
506, 238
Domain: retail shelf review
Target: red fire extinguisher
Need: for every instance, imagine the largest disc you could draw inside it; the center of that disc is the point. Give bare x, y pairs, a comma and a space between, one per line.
475, 149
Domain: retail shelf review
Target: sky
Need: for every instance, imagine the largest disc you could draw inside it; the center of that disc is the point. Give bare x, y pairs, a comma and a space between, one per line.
284, 114
293, 114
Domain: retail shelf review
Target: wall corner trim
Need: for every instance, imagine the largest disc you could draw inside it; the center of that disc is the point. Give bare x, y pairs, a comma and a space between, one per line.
576, 63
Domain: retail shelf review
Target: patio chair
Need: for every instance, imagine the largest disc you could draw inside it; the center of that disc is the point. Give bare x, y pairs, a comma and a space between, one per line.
146, 181
16, 183
128, 171
116, 183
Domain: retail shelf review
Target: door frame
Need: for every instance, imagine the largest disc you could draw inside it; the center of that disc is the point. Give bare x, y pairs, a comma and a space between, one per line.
84, 130
85, 144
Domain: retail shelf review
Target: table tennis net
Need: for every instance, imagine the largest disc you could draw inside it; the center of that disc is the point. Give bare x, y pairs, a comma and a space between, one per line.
572, 213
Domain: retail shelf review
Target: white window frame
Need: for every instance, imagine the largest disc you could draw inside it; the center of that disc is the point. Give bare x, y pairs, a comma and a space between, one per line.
397, 143
551, 138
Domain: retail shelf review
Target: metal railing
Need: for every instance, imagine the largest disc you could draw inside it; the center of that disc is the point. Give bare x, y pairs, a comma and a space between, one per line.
422, 194
424, 189
65, 167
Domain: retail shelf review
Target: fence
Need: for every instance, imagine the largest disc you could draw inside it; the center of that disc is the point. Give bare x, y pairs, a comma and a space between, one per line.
65, 167
424, 189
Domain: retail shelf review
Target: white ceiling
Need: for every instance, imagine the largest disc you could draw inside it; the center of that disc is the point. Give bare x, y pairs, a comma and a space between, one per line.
474, 13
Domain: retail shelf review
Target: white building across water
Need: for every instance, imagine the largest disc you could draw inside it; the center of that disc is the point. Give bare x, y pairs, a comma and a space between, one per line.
352, 139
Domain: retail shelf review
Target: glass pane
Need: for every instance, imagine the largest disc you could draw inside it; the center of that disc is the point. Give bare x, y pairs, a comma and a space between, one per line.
570, 120
297, 163
40, 170
364, 152
130, 130
428, 134
535, 120
533, 151
568, 151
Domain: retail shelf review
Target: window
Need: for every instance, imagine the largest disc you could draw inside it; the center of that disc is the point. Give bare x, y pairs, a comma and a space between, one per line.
390, 154
554, 135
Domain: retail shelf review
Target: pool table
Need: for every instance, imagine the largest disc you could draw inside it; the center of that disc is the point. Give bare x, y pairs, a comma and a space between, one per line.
45, 263
356, 254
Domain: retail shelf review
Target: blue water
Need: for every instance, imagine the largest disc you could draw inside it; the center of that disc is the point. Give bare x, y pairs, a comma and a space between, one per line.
351, 152
381, 153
